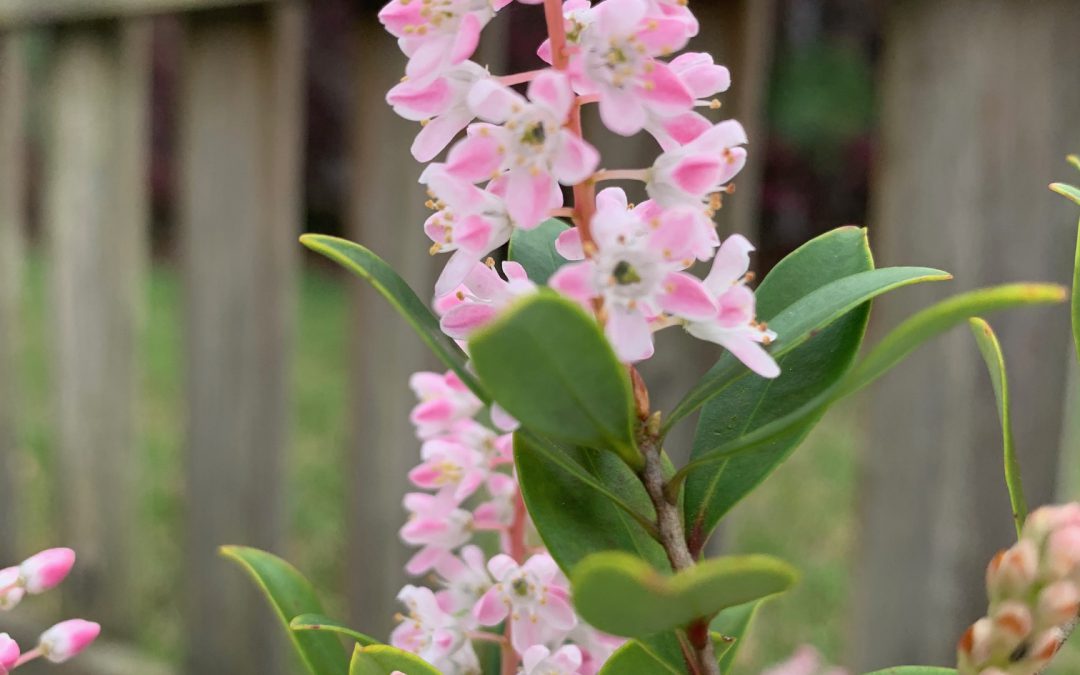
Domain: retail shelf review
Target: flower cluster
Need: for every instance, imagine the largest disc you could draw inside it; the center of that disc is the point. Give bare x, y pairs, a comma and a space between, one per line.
37, 574
805, 661
510, 157
1034, 591
468, 489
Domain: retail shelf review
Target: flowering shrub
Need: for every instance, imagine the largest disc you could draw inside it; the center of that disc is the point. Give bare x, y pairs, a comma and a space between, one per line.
37, 574
552, 532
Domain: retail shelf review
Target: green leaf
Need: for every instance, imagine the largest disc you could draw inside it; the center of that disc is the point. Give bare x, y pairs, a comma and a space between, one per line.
548, 363
733, 622
623, 595
581, 501
804, 319
384, 660
639, 658
535, 249
995, 363
915, 670
1067, 191
318, 622
752, 404
291, 595
940, 317
391, 286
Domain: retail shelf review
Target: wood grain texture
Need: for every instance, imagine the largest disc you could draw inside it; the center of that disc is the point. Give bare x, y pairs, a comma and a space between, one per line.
979, 108
13, 103
386, 213
95, 215
239, 212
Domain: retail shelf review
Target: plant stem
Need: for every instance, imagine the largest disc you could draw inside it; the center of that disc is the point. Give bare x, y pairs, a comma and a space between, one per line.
519, 78
516, 535
673, 538
28, 656
621, 174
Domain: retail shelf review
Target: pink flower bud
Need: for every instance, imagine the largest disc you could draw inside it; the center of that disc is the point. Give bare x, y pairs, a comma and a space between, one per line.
9, 653
1012, 624
1058, 604
46, 570
67, 639
974, 646
11, 591
1043, 648
1062, 552
1011, 572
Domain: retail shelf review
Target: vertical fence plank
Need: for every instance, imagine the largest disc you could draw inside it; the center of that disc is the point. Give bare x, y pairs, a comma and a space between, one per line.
239, 210
961, 185
386, 213
95, 215
12, 231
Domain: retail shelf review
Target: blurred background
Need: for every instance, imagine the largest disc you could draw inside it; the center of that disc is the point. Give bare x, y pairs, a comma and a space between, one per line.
176, 374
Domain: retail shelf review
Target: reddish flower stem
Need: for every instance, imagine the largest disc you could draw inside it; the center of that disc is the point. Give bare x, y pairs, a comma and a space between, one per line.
518, 551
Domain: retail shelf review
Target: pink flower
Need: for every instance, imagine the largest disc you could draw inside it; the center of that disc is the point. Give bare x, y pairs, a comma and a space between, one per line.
805, 661
450, 466
532, 595
444, 402
67, 639
439, 104
704, 79
469, 221
596, 647
530, 148
9, 653
46, 570
437, 525
481, 298
429, 631
11, 590
435, 34
733, 326
498, 512
539, 660
465, 578
635, 276
689, 174
615, 45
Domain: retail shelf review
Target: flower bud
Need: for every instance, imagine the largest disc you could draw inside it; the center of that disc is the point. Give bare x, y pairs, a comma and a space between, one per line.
975, 644
1012, 572
11, 591
1012, 624
67, 639
46, 570
1057, 604
1062, 552
9, 653
1042, 649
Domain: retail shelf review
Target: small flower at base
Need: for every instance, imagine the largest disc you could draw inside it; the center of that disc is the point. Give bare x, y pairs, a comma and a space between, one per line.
67, 639
46, 570
9, 653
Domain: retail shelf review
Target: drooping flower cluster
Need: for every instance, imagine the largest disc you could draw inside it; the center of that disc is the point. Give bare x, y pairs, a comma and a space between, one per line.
467, 488
36, 575
1034, 591
519, 151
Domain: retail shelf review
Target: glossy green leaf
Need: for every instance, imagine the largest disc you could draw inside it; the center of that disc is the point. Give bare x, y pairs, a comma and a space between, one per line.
995, 364
733, 623
638, 657
754, 403
391, 286
803, 319
915, 670
318, 622
291, 595
385, 660
940, 317
623, 595
581, 501
535, 249
548, 363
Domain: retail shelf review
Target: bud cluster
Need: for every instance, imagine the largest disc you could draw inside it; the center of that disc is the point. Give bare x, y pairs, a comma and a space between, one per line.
470, 498
37, 574
1034, 591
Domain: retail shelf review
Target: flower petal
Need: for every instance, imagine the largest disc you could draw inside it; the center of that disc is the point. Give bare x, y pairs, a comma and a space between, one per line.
629, 334
575, 159
685, 296
552, 90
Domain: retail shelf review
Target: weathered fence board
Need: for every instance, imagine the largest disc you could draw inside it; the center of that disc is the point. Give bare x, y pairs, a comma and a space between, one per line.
95, 202
980, 105
386, 213
239, 214
12, 232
